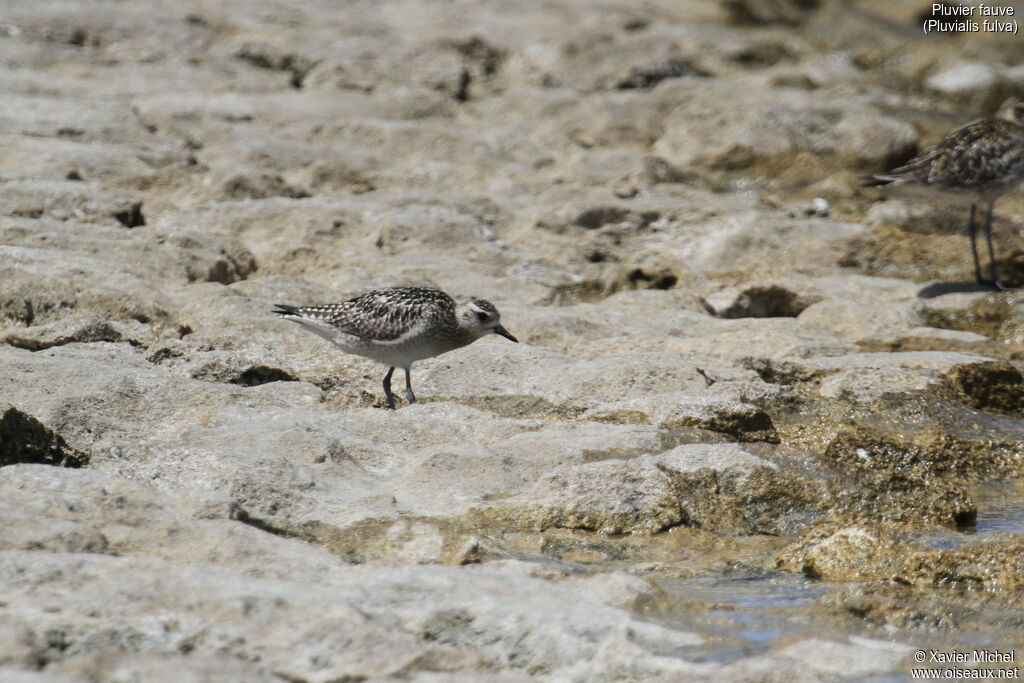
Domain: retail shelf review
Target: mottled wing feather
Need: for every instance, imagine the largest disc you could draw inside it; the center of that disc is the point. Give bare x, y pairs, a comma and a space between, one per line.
384, 314
979, 154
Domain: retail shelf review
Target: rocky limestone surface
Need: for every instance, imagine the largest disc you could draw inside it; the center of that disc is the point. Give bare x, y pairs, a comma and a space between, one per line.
748, 390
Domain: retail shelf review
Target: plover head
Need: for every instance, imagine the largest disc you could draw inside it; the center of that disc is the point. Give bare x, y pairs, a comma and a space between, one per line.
480, 318
1012, 111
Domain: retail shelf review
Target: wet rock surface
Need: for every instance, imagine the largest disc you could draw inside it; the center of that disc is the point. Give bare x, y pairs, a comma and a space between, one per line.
749, 391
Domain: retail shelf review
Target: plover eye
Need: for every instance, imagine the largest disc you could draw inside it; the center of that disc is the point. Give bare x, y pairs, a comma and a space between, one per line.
481, 316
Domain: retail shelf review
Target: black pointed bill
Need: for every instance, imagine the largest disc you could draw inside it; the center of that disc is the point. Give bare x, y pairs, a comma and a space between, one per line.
498, 329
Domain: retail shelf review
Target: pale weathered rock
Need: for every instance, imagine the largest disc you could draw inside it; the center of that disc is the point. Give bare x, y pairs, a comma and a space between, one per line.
977, 84
832, 551
186, 480
993, 564
616, 588
457, 619
71, 201
857, 657
741, 421
934, 361
617, 496
881, 551
914, 216
159, 668
722, 487
82, 511
708, 132
870, 385
726, 489
84, 329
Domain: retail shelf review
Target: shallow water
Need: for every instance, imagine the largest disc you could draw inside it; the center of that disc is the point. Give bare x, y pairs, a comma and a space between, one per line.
747, 614
1000, 507
759, 613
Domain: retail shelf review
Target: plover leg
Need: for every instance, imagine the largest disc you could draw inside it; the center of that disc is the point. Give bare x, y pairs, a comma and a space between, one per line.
993, 267
972, 229
387, 389
409, 396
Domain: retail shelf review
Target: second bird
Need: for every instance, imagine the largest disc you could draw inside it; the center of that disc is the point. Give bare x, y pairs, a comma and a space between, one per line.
976, 164
398, 326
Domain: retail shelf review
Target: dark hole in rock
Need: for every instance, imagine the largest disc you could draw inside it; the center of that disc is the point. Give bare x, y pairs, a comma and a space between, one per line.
770, 301
261, 374
756, 426
775, 372
239, 514
162, 354
462, 90
23, 439
131, 217
760, 13
811, 572
78, 37
481, 53
637, 24
640, 279
596, 217
761, 54
229, 268
33, 212
641, 78
265, 57
966, 519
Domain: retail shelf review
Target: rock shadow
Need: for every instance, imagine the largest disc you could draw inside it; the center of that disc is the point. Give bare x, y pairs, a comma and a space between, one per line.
936, 289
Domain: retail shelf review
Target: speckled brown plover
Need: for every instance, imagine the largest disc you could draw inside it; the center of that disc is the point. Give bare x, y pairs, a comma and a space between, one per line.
398, 326
976, 164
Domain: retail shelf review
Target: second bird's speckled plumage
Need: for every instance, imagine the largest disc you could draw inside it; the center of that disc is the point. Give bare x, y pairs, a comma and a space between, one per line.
979, 162
975, 164
399, 325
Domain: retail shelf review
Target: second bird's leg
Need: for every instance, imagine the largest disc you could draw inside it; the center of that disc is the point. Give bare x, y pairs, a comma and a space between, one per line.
387, 389
972, 230
993, 268
409, 396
